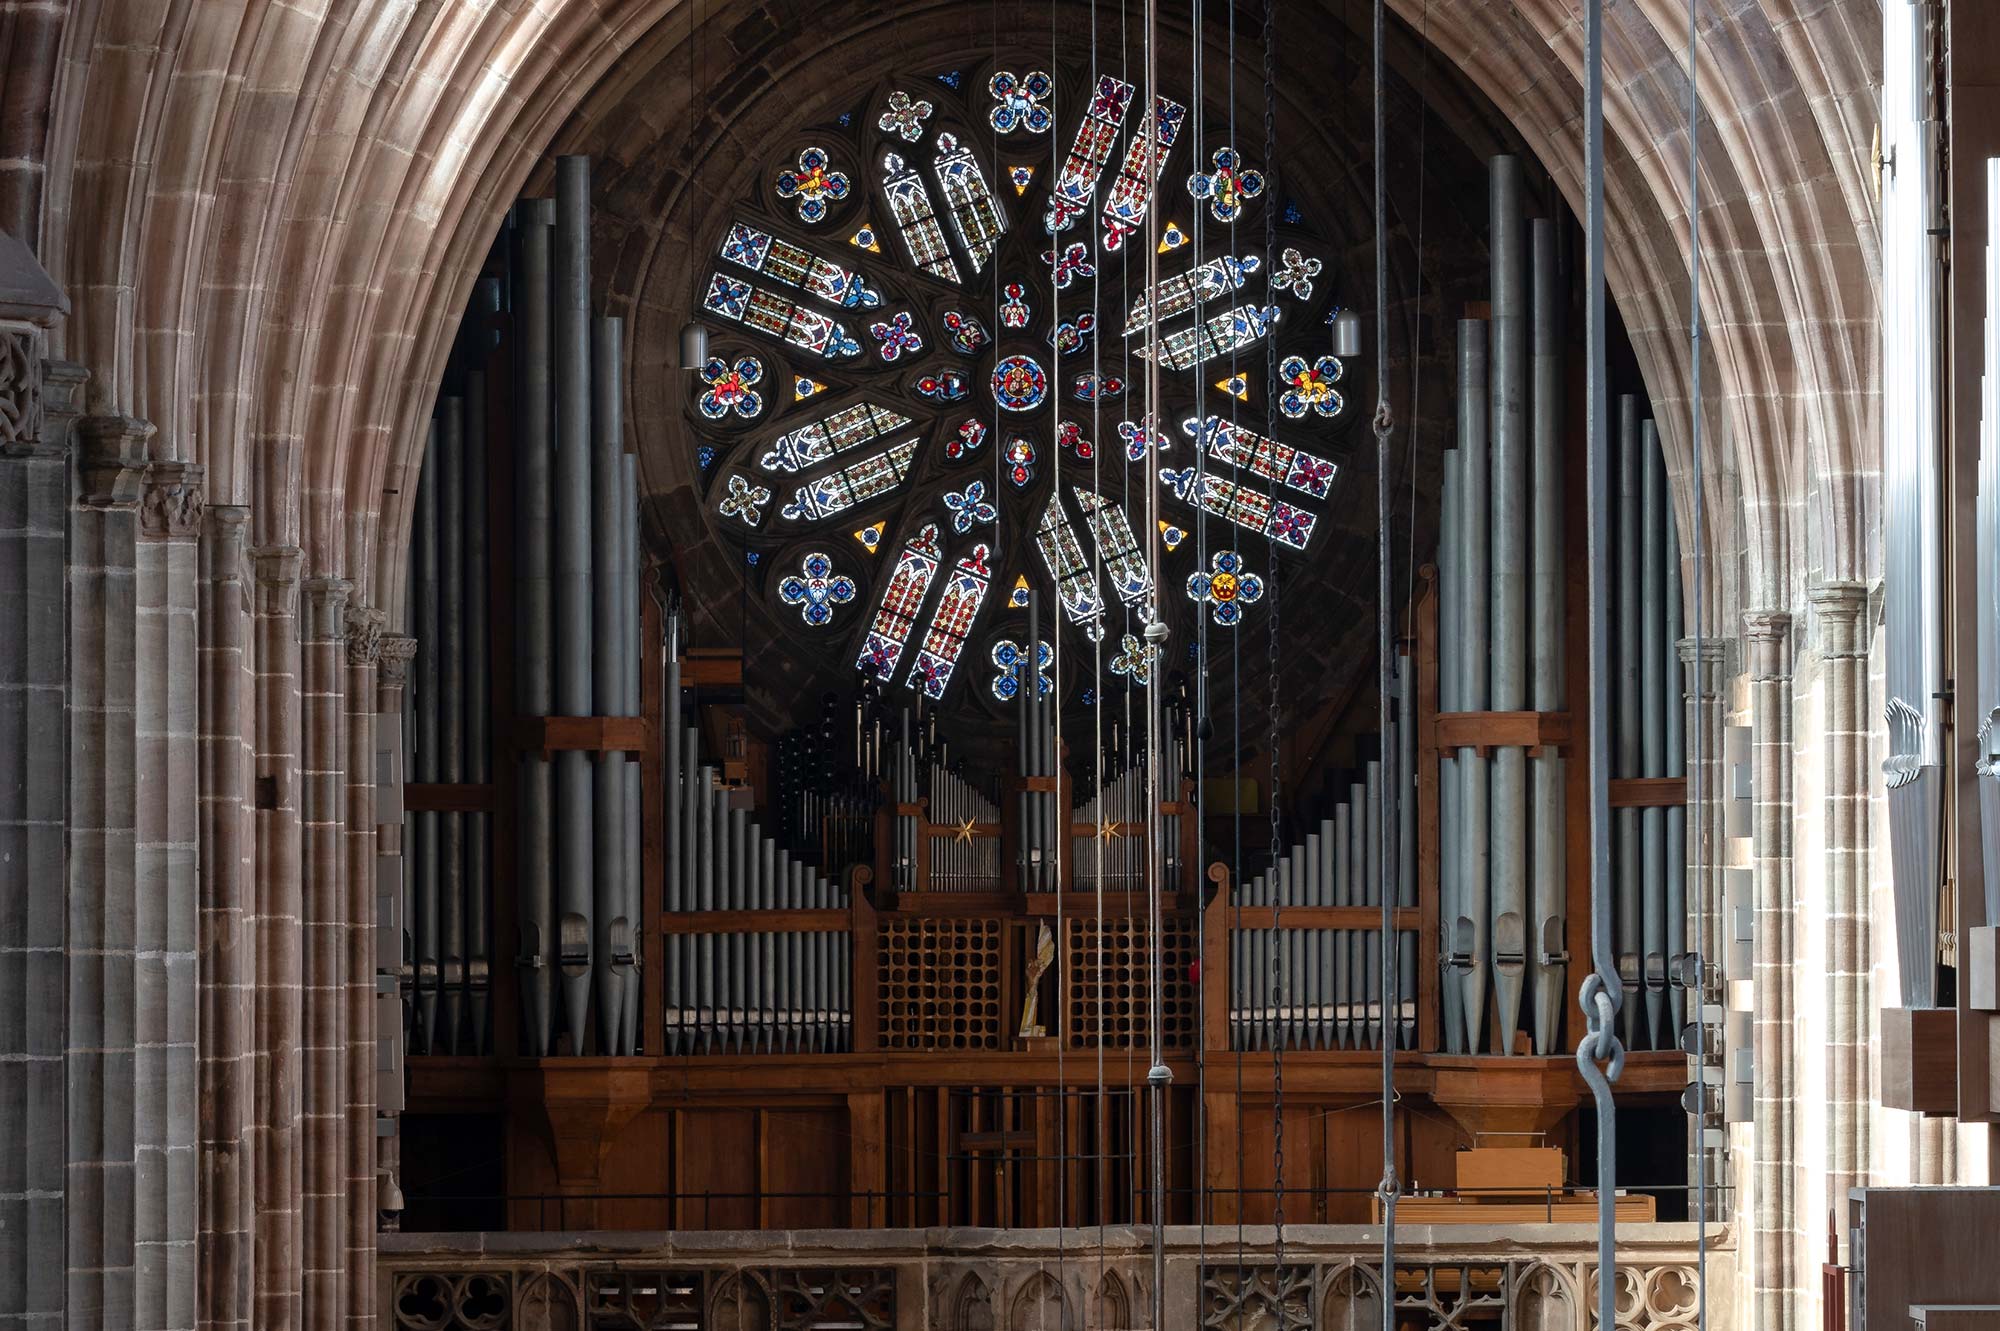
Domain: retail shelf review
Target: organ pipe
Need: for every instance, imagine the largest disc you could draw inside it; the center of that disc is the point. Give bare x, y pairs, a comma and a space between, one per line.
478, 709
424, 911
608, 615
448, 703
575, 869
1627, 758
1547, 769
1653, 724
1472, 642
534, 870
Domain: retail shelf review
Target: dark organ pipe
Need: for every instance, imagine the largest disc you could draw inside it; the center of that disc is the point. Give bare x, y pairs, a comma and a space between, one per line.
534, 669
449, 705
1547, 852
478, 711
1451, 863
424, 910
575, 867
628, 959
607, 684
1676, 765
1653, 725
1628, 862
1508, 827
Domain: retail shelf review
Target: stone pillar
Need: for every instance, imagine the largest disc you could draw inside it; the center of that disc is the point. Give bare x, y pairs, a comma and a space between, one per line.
105, 1104
364, 651
34, 820
166, 905
276, 933
1774, 1197
393, 677
228, 949
1704, 665
1840, 611
323, 792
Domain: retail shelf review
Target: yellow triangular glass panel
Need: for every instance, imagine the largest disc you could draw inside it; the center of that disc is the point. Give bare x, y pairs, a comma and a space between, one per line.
1172, 238
870, 536
865, 239
1236, 385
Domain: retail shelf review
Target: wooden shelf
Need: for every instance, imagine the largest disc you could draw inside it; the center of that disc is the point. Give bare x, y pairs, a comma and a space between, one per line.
549, 735
757, 921
1648, 792
1486, 731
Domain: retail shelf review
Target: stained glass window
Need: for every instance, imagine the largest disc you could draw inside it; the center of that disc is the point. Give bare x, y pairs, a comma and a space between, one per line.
1076, 589
1268, 458
910, 205
957, 608
773, 315
1241, 505
974, 211
838, 491
1218, 335
835, 433
901, 599
1096, 136
1204, 282
794, 265
1117, 549
1146, 156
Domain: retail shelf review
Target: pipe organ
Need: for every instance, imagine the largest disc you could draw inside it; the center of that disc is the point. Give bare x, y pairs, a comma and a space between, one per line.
725, 983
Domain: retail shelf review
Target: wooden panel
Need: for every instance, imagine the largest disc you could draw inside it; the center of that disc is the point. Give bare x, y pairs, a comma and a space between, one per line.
708, 667
804, 1174
1648, 792
716, 1168
1920, 1059
1498, 1168
1488, 730
548, 735
1321, 917
867, 1181
1904, 1261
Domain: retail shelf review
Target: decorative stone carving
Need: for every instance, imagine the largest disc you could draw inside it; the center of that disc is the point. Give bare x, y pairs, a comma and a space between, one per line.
277, 569
1840, 610
20, 390
364, 634
170, 509
397, 653
1769, 634
112, 460
326, 609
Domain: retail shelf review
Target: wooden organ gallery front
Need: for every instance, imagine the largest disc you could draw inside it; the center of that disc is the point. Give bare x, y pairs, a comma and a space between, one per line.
868, 989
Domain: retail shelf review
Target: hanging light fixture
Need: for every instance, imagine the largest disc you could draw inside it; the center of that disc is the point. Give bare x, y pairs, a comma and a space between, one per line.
1346, 333
694, 333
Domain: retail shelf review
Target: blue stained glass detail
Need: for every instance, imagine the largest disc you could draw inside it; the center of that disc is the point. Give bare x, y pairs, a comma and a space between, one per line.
846, 119
1089, 698
952, 80
754, 558
1292, 214
705, 457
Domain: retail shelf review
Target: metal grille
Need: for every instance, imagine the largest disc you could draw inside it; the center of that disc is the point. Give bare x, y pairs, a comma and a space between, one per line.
940, 984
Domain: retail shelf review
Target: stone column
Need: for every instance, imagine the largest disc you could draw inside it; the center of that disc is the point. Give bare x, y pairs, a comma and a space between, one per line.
323, 792
397, 653
105, 1101
34, 820
228, 949
364, 651
1840, 611
166, 905
276, 932
1704, 665
1774, 1201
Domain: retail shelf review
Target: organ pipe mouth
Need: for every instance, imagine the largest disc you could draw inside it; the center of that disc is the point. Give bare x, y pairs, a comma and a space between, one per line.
694, 345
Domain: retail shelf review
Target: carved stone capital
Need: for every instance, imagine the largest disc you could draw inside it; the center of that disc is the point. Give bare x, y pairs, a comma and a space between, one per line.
111, 458
1769, 633
225, 534
20, 391
364, 634
277, 569
1841, 611
170, 508
326, 609
396, 656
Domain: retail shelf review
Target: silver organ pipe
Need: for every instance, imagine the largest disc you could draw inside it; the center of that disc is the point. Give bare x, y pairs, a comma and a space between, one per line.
423, 912
478, 710
1547, 851
1628, 859
449, 705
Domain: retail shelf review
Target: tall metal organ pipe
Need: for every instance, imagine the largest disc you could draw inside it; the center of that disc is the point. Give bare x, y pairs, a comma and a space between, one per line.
478, 709
1451, 863
575, 867
1548, 848
449, 705
534, 608
1628, 918
1509, 492
1474, 769
1653, 724
424, 910
608, 615
629, 706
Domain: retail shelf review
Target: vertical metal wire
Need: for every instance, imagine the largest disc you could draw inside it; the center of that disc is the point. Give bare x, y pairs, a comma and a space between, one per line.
1600, 1057
1384, 645
1694, 767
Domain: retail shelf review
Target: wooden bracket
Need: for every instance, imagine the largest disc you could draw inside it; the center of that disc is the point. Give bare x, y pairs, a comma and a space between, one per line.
1487, 731
1648, 792
549, 735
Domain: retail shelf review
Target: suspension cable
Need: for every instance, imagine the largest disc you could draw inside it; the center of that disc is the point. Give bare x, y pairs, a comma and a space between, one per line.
1384, 645
1600, 1057
1280, 976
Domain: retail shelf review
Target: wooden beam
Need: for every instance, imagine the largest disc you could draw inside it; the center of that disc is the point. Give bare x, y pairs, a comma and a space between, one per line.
1486, 731
707, 667
756, 921
549, 735
1648, 792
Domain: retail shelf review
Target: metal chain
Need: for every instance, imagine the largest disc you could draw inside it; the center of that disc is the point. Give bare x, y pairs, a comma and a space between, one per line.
1279, 977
